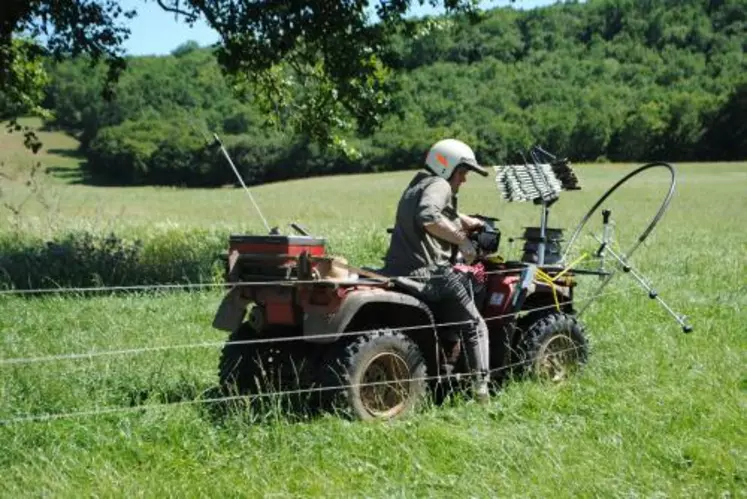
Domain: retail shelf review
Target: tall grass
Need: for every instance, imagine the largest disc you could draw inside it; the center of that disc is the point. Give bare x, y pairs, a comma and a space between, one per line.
655, 413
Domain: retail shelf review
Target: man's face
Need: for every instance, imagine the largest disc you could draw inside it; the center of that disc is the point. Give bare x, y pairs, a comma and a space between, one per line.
458, 178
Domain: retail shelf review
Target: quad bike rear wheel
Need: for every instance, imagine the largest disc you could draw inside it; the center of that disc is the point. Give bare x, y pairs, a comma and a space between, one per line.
251, 363
376, 376
554, 346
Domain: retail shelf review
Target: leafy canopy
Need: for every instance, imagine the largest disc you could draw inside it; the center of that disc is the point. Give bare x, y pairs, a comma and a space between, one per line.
321, 64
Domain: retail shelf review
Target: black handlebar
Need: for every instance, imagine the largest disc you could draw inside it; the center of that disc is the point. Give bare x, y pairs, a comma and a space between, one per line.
487, 239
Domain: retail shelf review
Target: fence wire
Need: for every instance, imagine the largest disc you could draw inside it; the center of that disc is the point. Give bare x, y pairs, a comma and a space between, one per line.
228, 285
234, 398
283, 393
280, 339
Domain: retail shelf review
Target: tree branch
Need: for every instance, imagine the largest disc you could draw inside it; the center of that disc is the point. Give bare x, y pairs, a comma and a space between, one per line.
191, 17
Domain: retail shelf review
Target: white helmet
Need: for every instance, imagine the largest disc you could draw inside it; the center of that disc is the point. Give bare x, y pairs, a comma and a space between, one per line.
446, 155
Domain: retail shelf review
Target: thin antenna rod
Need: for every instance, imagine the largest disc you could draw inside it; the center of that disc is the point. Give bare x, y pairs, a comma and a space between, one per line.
238, 175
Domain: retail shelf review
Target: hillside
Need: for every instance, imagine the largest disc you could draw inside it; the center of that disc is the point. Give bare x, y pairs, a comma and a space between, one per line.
621, 81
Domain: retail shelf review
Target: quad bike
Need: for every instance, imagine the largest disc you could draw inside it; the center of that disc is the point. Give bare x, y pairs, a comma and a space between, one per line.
305, 323
373, 334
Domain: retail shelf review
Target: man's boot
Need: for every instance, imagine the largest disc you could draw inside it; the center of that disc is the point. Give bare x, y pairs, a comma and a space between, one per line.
481, 388
478, 357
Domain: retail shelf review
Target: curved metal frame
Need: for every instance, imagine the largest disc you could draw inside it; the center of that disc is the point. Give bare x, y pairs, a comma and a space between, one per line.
623, 259
654, 221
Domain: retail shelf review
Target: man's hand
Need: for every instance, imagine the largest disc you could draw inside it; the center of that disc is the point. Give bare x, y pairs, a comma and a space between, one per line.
471, 224
468, 251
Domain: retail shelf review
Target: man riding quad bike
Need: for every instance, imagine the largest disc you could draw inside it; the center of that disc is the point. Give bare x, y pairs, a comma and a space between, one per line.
372, 342
428, 234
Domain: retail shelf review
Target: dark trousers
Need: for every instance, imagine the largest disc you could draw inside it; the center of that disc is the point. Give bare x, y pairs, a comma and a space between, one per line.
452, 295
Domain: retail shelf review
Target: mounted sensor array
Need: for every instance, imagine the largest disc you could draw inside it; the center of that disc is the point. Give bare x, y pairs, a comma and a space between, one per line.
538, 182
541, 183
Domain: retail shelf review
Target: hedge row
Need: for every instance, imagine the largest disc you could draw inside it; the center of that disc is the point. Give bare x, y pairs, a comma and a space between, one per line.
85, 259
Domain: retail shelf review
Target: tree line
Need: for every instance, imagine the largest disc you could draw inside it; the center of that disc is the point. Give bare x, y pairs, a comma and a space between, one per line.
629, 80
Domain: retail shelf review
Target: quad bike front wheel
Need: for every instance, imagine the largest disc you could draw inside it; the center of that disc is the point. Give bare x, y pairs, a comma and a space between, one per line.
554, 347
376, 376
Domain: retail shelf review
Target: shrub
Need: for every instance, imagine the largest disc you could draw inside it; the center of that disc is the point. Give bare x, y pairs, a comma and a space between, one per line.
85, 259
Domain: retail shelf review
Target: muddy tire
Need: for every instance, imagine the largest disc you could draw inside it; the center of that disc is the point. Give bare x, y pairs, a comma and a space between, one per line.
553, 347
377, 376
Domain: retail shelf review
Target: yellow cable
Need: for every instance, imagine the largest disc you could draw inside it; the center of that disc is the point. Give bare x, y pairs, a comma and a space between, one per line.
573, 264
544, 277
551, 280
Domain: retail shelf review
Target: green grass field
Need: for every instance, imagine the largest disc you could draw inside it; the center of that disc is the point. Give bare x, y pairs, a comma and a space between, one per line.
655, 413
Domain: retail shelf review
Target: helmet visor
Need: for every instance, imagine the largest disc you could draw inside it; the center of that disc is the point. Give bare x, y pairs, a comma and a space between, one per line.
471, 164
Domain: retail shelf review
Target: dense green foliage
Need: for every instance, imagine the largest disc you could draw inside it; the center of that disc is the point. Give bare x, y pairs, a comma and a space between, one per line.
634, 80
86, 259
322, 59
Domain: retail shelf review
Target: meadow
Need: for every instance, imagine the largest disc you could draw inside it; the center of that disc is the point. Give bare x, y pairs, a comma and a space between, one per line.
655, 413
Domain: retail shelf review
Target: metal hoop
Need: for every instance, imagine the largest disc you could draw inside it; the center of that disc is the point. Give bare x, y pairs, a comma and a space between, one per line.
654, 220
